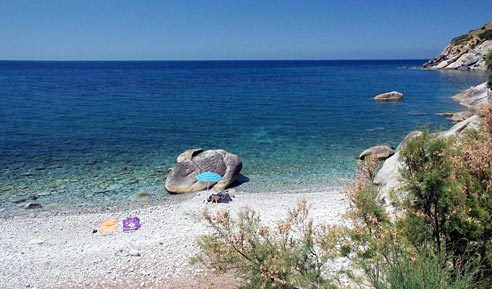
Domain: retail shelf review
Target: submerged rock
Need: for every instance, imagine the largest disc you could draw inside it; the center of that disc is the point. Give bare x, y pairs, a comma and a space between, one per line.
32, 205
380, 152
457, 116
141, 196
462, 115
389, 96
181, 179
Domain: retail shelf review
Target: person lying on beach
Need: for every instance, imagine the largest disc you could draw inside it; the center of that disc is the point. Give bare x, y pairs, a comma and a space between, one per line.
219, 197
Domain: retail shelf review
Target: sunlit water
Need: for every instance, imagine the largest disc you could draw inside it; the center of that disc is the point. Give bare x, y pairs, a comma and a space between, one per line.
99, 133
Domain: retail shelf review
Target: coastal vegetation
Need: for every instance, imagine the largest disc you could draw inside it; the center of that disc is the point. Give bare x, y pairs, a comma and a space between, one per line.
439, 237
486, 34
488, 64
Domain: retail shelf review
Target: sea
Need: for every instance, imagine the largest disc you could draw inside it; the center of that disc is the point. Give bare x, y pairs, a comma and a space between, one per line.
77, 134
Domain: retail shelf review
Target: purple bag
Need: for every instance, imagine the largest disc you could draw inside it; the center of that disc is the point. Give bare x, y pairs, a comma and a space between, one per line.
131, 224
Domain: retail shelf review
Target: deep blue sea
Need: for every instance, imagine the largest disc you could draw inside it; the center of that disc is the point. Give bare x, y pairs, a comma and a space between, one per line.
99, 133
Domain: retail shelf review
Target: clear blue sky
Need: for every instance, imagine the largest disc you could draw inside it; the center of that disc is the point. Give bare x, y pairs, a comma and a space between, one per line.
210, 29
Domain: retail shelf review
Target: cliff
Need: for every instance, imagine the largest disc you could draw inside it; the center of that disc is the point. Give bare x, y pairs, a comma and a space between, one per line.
465, 52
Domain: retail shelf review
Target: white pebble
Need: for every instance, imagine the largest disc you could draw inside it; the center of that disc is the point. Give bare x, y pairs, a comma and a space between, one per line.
36, 242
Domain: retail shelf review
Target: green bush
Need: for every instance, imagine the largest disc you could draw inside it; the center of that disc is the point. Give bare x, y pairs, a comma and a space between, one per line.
460, 39
488, 61
432, 191
485, 35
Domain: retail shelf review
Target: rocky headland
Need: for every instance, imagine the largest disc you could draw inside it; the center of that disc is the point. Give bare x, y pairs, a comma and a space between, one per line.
466, 52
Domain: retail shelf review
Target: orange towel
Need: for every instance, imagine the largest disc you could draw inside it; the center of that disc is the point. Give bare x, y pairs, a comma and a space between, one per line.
108, 226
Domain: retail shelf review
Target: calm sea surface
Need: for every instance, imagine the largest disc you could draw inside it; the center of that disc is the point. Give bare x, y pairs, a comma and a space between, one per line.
100, 133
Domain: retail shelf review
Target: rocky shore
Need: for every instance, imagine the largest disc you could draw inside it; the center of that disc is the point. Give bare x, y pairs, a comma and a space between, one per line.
388, 177
466, 52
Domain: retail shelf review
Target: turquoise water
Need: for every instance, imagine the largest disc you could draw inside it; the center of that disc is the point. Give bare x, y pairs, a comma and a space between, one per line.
99, 133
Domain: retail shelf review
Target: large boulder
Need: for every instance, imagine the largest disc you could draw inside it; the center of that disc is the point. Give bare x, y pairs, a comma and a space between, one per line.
181, 179
388, 178
379, 152
474, 97
389, 96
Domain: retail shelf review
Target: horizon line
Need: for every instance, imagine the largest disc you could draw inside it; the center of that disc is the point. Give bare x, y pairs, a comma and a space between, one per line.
203, 60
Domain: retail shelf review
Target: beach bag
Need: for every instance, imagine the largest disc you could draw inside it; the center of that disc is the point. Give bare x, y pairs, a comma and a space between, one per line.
131, 224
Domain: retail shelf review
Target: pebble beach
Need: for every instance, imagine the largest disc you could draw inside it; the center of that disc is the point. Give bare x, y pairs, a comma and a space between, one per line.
61, 251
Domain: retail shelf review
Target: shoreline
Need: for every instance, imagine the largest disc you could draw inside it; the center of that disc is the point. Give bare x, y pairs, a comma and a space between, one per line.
62, 252
58, 249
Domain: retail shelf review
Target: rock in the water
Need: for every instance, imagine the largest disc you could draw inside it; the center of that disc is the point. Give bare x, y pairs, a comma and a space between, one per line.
181, 179
32, 205
446, 114
457, 116
461, 116
142, 196
389, 96
379, 152
134, 253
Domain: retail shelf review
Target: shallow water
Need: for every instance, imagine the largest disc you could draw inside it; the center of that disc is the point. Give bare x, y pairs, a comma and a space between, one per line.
99, 133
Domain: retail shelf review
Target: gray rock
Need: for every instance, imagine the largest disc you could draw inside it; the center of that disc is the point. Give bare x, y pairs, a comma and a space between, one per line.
134, 253
446, 114
32, 205
181, 179
475, 96
388, 178
461, 116
457, 116
380, 152
389, 96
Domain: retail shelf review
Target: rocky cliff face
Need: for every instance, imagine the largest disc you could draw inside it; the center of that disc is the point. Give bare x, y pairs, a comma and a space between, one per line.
465, 52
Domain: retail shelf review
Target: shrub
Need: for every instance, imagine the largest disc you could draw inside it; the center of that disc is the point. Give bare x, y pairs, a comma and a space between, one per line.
290, 256
432, 191
441, 239
386, 253
460, 39
485, 35
488, 61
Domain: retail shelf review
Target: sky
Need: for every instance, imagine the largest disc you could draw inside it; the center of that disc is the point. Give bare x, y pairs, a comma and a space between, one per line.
233, 30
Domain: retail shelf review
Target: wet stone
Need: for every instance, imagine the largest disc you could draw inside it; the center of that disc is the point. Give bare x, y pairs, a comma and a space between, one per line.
32, 205
100, 191
28, 174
